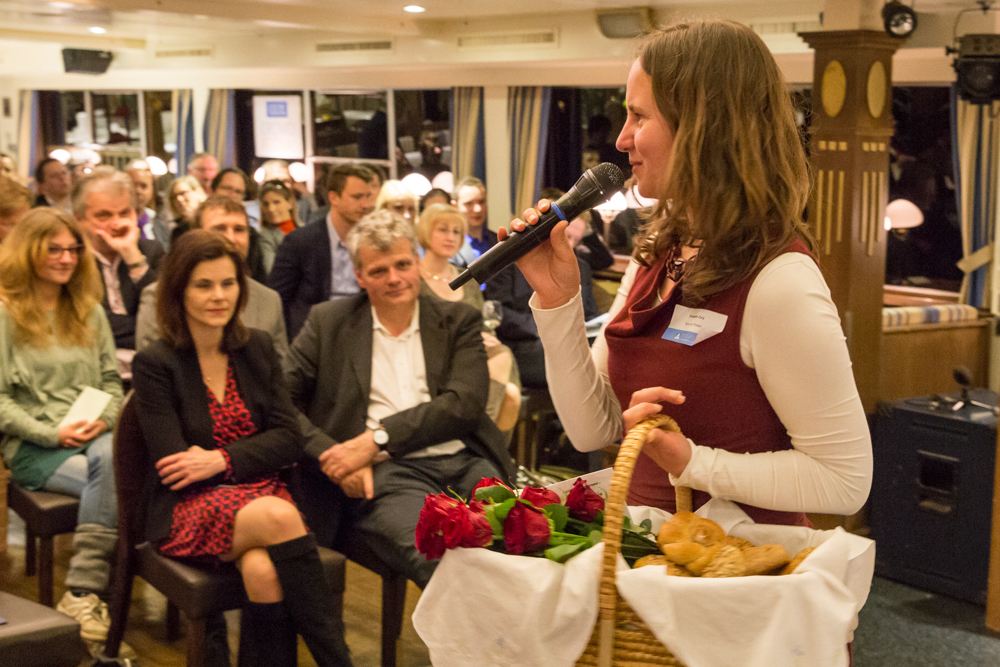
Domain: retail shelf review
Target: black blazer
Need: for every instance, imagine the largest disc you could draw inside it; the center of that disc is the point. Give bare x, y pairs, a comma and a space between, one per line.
329, 367
123, 326
301, 273
173, 412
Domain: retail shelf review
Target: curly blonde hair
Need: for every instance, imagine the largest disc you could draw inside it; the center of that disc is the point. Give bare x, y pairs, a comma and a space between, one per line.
738, 167
26, 247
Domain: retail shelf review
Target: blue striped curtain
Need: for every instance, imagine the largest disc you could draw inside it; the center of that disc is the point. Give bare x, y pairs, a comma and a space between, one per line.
220, 126
184, 127
29, 148
528, 120
976, 151
468, 134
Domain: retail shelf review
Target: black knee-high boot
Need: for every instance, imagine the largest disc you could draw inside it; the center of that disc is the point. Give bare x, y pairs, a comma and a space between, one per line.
307, 600
267, 636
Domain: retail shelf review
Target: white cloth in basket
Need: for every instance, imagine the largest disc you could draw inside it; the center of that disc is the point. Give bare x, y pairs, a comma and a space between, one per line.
494, 610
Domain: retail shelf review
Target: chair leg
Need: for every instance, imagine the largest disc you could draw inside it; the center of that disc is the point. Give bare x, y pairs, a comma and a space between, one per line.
45, 566
174, 622
393, 607
30, 554
196, 642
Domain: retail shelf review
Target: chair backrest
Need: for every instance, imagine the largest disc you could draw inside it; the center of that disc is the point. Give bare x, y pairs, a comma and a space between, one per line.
131, 470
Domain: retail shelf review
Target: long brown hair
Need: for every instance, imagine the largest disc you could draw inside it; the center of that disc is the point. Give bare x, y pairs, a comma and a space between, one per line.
186, 253
739, 178
26, 247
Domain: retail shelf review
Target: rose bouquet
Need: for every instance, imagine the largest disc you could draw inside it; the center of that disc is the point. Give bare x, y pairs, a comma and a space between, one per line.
536, 523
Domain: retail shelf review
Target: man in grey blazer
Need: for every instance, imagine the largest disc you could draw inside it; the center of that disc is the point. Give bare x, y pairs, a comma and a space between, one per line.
263, 310
393, 388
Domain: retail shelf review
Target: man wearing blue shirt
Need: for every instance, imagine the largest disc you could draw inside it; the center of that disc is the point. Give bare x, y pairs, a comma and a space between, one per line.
470, 199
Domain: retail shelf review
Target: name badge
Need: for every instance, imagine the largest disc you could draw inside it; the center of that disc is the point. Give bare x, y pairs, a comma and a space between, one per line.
693, 325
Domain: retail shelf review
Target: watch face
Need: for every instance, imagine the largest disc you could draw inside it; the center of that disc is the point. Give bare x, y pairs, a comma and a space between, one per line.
381, 437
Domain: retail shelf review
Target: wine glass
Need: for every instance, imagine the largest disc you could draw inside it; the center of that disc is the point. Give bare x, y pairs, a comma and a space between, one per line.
492, 315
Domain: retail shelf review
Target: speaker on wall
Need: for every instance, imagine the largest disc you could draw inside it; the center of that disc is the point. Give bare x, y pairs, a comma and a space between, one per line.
86, 61
977, 68
625, 23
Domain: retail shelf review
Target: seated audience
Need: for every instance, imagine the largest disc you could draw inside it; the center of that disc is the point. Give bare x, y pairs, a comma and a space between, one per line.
434, 196
392, 376
53, 185
184, 197
440, 231
278, 217
15, 201
263, 309
470, 199
277, 170
203, 167
312, 264
219, 425
54, 342
103, 207
235, 184
396, 197
146, 201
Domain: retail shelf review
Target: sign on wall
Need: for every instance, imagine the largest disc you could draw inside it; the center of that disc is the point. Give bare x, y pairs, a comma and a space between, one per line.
277, 126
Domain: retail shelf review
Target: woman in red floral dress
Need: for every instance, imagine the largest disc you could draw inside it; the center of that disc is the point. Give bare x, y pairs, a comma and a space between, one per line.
219, 425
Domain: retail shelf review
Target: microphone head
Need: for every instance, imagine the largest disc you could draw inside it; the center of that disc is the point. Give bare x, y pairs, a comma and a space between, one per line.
609, 177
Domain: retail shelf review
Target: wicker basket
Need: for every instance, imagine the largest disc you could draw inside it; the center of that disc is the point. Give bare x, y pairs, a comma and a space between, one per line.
621, 638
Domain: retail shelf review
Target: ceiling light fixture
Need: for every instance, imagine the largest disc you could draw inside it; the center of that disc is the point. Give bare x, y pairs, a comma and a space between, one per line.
414, 9
899, 20
97, 30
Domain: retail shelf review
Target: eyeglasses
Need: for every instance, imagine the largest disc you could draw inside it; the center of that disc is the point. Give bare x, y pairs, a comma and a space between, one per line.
56, 251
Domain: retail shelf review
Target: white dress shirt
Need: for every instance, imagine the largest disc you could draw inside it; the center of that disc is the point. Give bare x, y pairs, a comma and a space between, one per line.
399, 379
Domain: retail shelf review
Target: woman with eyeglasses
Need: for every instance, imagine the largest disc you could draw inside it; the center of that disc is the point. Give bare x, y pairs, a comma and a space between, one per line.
55, 341
279, 217
184, 196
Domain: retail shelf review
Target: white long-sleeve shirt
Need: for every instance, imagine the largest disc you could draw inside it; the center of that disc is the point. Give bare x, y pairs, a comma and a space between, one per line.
791, 336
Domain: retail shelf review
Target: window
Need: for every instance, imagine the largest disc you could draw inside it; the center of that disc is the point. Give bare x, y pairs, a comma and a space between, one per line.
350, 125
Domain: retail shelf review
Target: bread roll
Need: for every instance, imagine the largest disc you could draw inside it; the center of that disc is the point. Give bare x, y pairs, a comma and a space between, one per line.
765, 558
799, 557
683, 553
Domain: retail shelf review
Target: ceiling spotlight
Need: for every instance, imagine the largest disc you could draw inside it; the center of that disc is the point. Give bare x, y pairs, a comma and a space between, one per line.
414, 9
899, 20
97, 30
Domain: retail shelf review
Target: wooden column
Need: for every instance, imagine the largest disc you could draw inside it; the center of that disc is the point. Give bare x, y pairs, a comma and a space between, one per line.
849, 146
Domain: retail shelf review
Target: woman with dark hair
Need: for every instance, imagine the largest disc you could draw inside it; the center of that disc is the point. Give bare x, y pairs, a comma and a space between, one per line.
723, 320
55, 342
219, 424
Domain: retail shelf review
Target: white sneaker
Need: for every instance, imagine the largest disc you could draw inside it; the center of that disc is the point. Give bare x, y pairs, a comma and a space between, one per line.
90, 612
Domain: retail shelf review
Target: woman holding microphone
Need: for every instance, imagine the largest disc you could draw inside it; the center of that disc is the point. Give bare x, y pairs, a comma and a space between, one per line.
723, 320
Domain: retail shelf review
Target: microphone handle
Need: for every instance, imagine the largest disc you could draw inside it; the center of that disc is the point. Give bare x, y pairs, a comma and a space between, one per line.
513, 248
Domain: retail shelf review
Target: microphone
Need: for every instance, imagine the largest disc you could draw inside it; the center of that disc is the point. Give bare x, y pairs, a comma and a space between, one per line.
595, 186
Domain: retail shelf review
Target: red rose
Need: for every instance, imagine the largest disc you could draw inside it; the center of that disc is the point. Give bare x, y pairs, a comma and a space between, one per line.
487, 482
456, 525
583, 503
539, 497
477, 507
526, 529
429, 535
479, 532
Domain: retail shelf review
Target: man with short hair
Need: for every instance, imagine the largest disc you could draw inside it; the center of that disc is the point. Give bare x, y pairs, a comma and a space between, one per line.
312, 263
393, 387
221, 214
104, 207
470, 199
145, 194
15, 201
52, 183
204, 167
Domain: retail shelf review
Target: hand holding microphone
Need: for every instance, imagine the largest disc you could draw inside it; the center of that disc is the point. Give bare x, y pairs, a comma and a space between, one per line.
551, 269
594, 187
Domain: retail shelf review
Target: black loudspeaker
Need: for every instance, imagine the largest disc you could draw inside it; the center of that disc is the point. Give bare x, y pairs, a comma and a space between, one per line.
977, 68
86, 61
932, 493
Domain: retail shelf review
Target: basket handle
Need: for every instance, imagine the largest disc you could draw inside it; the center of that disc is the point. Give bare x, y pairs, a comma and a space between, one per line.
614, 513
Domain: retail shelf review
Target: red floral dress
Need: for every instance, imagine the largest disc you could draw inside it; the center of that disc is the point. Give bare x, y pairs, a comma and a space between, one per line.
203, 520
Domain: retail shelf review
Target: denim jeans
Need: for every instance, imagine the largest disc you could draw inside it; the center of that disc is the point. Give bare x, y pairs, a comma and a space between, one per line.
90, 476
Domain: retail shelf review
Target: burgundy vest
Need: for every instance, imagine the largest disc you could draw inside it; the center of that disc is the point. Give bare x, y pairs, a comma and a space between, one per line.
725, 407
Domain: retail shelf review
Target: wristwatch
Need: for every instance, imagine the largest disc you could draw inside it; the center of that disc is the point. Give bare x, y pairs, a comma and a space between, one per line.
381, 437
